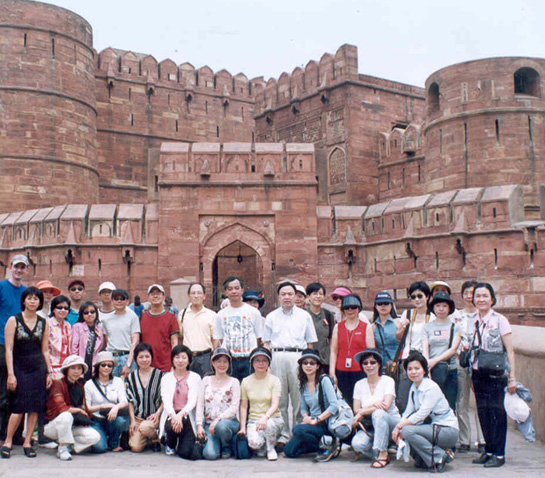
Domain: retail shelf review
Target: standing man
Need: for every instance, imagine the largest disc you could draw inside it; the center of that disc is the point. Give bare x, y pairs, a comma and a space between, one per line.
76, 291
107, 307
159, 328
288, 331
237, 327
123, 330
11, 290
197, 329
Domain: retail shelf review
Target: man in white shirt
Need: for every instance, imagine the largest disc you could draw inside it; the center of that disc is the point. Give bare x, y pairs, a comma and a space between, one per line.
123, 331
288, 331
197, 329
237, 328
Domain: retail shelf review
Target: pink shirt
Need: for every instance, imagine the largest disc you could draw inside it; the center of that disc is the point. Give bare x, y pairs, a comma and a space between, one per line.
80, 338
181, 392
59, 344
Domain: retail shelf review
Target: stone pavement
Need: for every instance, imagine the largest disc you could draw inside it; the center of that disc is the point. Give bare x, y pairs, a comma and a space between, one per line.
523, 458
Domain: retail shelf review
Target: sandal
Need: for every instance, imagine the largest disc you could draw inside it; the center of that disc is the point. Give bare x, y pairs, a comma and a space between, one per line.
5, 452
381, 462
29, 452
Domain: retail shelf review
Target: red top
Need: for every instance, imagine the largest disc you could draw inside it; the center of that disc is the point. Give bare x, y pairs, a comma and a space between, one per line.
156, 330
59, 399
350, 342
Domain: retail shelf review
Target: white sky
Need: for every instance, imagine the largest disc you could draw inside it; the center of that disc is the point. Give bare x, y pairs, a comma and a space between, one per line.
397, 39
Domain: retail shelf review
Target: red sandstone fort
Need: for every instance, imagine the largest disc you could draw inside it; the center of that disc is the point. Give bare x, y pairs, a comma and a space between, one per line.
117, 167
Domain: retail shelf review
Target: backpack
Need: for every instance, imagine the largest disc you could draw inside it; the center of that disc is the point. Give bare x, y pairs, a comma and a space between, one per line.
340, 424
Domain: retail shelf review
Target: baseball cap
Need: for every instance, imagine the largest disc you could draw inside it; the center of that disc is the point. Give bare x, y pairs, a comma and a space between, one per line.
106, 286
19, 259
156, 286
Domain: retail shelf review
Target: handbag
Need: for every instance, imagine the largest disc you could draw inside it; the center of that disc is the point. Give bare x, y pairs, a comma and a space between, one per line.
491, 363
392, 366
241, 450
81, 420
340, 424
439, 373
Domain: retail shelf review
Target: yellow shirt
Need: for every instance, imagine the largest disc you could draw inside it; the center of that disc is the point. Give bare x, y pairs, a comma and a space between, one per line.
260, 393
196, 328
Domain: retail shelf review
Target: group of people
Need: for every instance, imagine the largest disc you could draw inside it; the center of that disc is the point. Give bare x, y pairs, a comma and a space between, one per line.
203, 384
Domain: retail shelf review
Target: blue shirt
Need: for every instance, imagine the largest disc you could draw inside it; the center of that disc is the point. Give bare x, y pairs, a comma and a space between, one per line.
73, 316
386, 333
10, 304
310, 402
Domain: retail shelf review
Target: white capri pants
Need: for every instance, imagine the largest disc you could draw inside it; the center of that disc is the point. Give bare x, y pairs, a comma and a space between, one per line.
61, 430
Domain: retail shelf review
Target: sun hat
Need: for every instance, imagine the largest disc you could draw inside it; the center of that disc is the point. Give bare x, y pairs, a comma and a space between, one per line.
220, 352
341, 292
364, 353
260, 351
72, 360
46, 284
105, 356
350, 301
310, 353
437, 283
253, 295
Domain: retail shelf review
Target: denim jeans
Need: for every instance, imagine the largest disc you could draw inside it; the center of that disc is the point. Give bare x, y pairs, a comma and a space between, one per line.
306, 439
383, 424
240, 368
220, 442
121, 361
110, 433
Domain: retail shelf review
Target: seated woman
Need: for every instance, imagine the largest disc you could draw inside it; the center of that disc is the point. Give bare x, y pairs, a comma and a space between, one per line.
145, 406
260, 419
107, 401
428, 442
88, 338
179, 392
69, 421
318, 403
217, 407
374, 404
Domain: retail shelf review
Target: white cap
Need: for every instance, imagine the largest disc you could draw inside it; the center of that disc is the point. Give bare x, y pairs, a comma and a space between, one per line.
301, 289
107, 285
19, 259
155, 286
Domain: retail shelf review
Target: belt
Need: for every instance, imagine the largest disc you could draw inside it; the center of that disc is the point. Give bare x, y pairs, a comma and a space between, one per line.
119, 353
287, 349
201, 352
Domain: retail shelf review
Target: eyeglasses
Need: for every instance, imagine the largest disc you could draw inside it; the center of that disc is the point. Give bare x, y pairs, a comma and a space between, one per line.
62, 308
417, 296
309, 362
350, 307
369, 363
383, 304
89, 312
106, 365
74, 289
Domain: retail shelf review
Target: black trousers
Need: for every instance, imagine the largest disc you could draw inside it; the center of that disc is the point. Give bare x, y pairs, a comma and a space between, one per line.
182, 442
489, 394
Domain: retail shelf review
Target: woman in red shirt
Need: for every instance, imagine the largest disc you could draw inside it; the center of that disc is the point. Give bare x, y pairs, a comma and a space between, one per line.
350, 336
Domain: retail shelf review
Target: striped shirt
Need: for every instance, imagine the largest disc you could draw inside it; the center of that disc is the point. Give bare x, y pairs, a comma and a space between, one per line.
145, 400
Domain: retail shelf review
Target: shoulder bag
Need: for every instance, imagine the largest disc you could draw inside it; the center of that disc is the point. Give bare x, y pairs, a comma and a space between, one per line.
340, 424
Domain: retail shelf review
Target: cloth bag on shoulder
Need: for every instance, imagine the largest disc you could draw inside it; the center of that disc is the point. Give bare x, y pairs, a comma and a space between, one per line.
340, 424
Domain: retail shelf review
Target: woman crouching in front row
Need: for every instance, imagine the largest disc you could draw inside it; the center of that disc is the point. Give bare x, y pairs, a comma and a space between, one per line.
429, 442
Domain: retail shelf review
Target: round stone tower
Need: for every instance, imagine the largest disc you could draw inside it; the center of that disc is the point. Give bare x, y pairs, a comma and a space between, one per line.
47, 107
485, 126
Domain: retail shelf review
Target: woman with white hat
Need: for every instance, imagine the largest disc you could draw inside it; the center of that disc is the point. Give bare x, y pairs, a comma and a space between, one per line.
69, 419
217, 407
260, 419
107, 401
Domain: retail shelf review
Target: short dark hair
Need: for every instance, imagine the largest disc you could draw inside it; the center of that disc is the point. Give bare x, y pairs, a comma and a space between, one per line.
421, 286
378, 358
32, 291
143, 347
315, 287
416, 356
180, 349
468, 284
286, 283
198, 283
487, 286
230, 279
58, 300
84, 306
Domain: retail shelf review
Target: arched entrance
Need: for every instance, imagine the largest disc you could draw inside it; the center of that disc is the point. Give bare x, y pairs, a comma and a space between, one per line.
237, 259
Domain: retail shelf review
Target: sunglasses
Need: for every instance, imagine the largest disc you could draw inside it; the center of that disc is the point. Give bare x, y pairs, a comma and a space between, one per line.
106, 365
119, 299
417, 296
62, 308
74, 289
350, 307
369, 363
89, 312
309, 362
383, 304
336, 297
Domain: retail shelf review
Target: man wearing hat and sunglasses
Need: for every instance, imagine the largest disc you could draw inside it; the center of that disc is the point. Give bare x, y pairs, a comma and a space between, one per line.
11, 290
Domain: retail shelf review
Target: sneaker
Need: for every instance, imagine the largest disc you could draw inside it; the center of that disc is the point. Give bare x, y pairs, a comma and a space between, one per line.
63, 453
272, 455
332, 452
169, 451
46, 443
